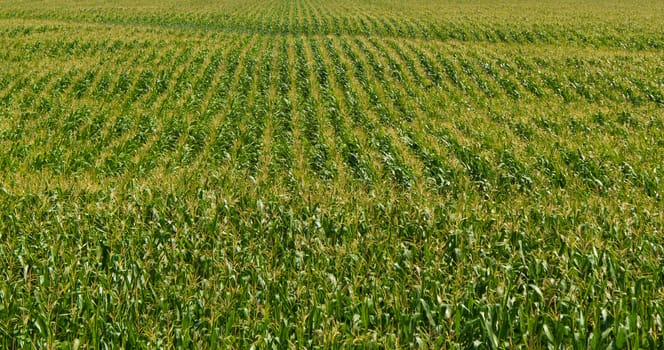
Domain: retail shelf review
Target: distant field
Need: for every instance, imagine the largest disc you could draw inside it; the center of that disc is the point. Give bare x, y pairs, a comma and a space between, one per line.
331, 174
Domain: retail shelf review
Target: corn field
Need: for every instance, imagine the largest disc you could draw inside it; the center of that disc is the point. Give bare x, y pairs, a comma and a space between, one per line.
331, 174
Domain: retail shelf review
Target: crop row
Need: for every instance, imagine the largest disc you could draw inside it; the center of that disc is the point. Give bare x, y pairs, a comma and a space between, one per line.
337, 174
315, 17
379, 98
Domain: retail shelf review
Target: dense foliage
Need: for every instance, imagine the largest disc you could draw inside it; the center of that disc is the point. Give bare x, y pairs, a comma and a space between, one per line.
312, 173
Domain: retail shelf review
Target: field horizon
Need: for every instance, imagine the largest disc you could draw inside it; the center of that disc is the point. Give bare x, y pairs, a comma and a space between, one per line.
314, 174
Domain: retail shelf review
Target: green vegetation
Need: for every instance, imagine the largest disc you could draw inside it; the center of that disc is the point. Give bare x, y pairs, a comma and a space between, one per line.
333, 174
